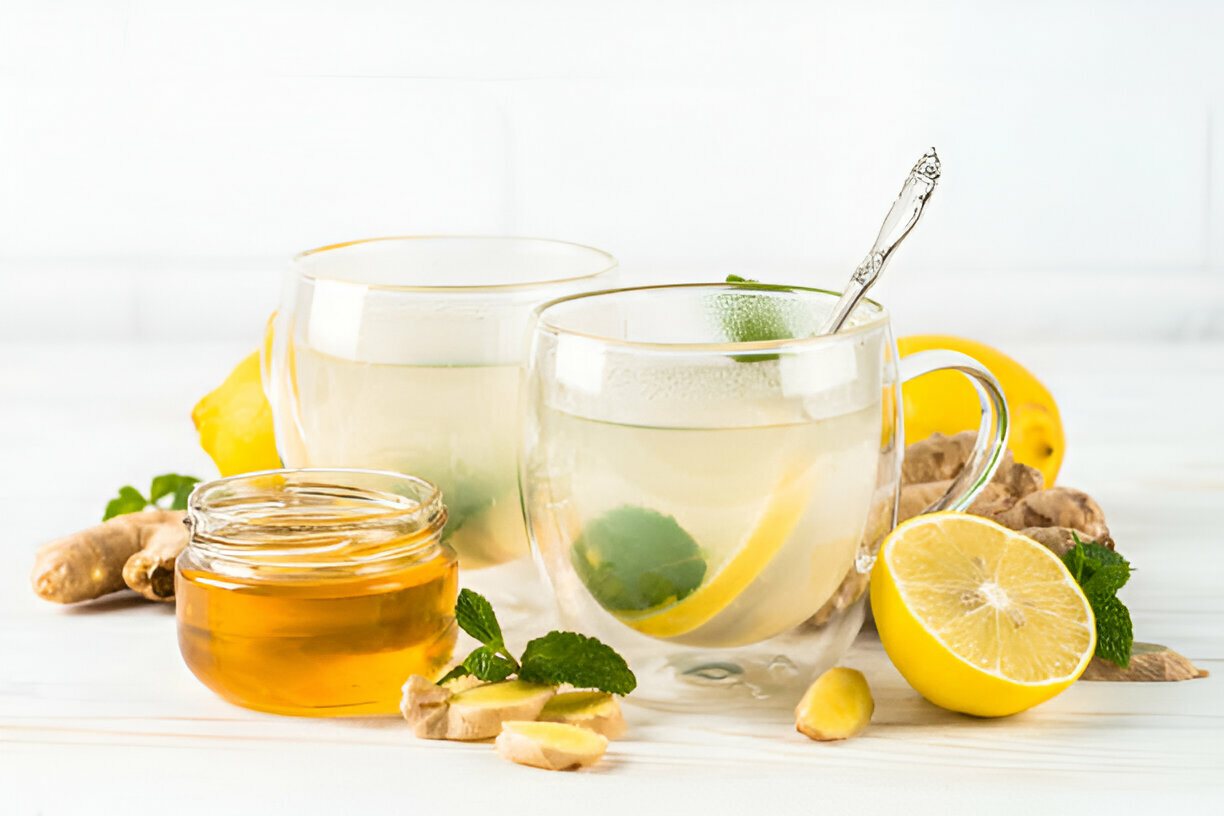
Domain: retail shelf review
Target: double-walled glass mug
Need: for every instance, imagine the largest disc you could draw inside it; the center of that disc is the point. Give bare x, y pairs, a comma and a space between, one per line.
406, 354
709, 500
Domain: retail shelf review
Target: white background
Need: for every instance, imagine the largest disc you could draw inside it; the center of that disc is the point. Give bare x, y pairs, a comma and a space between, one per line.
159, 161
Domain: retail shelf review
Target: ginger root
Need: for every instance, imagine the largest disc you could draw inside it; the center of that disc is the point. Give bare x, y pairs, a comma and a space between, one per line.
1060, 540
90, 563
596, 711
936, 459
918, 497
550, 745
1013, 498
150, 570
1057, 507
836, 707
476, 713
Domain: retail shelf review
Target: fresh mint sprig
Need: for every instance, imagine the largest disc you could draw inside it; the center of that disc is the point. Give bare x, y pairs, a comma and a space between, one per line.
1101, 572
131, 500
486, 664
555, 658
492, 661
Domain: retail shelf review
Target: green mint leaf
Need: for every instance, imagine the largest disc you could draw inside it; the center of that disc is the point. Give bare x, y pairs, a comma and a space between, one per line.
747, 319
474, 614
487, 665
1115, 632
162, 485
1087, 558
454, 674
1102, 555
129, 500
1076, 561
1105, 583
1101, 572
172, 484
633, 559
183, 493
583, 662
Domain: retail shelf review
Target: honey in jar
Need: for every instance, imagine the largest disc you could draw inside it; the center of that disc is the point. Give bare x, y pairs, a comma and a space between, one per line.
316, 592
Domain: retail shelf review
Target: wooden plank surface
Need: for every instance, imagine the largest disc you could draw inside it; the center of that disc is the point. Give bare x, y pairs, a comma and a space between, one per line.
98, 714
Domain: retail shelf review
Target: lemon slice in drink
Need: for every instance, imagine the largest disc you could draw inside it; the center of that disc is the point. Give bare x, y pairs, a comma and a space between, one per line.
786, 506
978, 618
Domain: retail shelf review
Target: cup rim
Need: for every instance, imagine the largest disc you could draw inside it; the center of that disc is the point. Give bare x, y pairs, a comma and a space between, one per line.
880, 318
611, 263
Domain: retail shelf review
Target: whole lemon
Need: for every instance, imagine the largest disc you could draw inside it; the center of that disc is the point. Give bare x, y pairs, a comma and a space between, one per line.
945, 402
235, 422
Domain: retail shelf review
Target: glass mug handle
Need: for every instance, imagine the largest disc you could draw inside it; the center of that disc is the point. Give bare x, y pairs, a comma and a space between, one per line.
991, 441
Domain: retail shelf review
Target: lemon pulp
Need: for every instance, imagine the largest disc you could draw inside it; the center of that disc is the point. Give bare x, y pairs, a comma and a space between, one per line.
979, 618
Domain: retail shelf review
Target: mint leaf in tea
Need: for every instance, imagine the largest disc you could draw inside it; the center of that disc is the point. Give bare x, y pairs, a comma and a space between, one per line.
748, 319
634, 559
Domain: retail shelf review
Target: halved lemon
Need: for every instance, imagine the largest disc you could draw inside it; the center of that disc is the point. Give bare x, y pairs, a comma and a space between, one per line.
978, 618
787, 504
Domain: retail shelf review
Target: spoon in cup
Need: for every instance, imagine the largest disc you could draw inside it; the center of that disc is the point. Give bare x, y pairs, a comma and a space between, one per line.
897, 224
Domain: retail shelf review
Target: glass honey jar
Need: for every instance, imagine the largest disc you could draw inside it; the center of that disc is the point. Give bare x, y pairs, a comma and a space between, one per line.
316, 592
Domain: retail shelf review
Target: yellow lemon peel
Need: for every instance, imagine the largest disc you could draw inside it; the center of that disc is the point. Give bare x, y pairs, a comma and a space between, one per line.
945, 402
235, 422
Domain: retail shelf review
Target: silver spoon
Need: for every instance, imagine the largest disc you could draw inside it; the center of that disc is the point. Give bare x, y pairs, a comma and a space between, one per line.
897, 224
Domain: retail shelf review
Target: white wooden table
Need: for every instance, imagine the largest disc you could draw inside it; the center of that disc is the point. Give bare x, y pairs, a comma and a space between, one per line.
98, 714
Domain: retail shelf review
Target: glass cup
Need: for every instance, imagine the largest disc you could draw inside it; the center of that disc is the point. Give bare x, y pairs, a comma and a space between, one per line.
405, 354
706, 483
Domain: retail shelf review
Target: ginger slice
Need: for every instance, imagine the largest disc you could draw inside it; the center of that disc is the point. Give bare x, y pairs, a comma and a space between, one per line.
424, 706
150, 570
89, 564
473, 714
458, 684
837, 706
596, 711
552, 746
479, 712
1149, 663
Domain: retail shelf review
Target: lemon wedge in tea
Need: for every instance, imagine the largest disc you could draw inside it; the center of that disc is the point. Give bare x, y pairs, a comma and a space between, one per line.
786, 506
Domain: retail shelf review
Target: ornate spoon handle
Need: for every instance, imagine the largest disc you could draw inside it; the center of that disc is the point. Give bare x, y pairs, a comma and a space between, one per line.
897, 224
